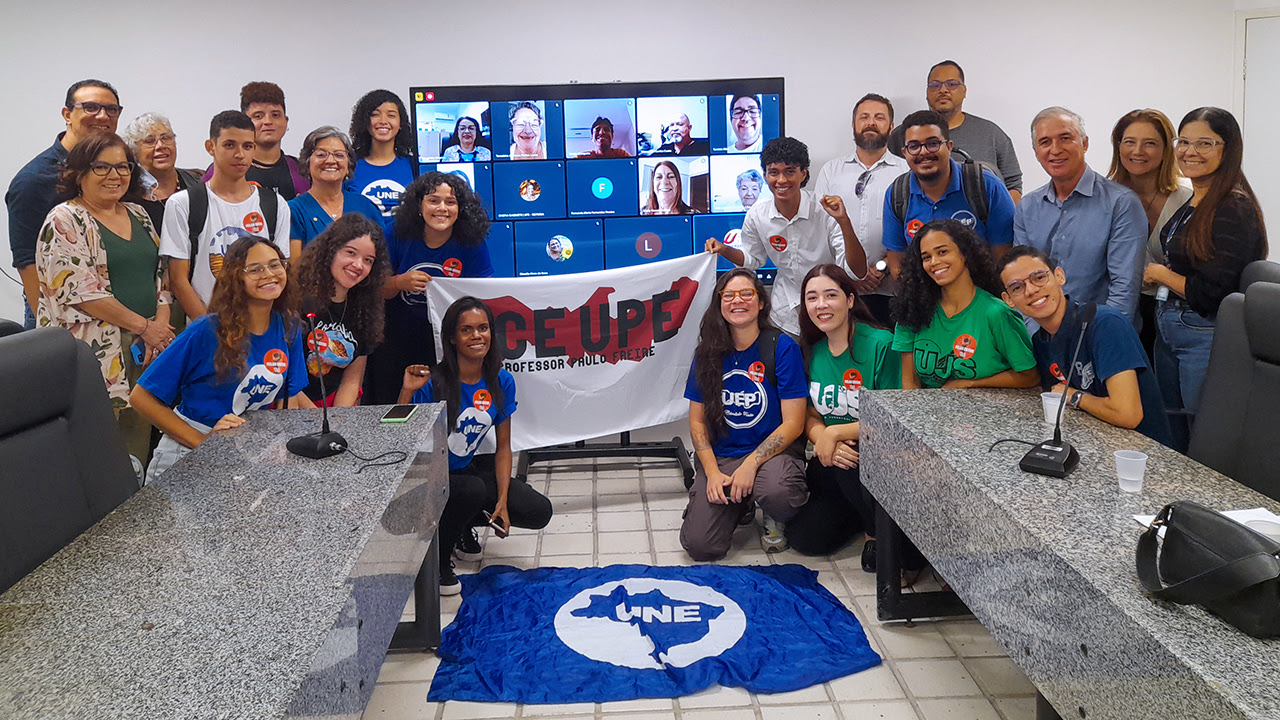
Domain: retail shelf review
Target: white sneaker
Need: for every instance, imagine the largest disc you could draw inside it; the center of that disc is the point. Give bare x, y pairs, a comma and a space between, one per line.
772, 538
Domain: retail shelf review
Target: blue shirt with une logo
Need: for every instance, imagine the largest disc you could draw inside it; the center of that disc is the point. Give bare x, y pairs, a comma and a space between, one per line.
997, 230
476, 417
753, 408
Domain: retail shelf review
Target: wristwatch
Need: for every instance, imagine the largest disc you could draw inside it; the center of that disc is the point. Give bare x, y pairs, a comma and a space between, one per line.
1074, 402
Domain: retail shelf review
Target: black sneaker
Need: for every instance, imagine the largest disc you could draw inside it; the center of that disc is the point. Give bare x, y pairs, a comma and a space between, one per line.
449, 584
869, 556
468, 547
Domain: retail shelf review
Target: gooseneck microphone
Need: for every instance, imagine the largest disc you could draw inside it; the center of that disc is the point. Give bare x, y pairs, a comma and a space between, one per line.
1056, 457
324, 443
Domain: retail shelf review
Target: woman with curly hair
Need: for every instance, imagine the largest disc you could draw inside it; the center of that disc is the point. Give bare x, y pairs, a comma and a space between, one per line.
341, 275
744, 418
243, 355
953, 329
439, 232
383, 139
666, 193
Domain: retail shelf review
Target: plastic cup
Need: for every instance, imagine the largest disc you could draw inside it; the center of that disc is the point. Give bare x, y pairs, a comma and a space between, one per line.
1050, 401
1131, 465
1265, 527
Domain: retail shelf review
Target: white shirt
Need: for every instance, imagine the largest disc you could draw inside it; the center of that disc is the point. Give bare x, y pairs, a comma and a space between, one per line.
840, 177
810, 238
225, 223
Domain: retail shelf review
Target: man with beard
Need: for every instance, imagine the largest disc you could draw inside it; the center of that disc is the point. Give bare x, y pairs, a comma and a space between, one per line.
680, 140
862, 178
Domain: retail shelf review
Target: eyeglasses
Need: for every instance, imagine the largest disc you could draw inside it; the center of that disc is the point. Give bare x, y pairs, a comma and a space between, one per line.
102, 169
258, 270
729, 295
1202, 145
153, 140
93, 108
930, 145
948, 84
1038, 278
863, 179
738, 113
526, 125
323, 155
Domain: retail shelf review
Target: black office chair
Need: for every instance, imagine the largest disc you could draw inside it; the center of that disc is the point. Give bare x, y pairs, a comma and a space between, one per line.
1235, 431
65, 464
1259, 271
9, 327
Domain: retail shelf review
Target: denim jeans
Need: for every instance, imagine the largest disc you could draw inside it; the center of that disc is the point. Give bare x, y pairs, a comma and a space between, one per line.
1182, 358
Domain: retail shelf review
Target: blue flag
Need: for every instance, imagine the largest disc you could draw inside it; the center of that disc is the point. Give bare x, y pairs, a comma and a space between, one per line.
565, 635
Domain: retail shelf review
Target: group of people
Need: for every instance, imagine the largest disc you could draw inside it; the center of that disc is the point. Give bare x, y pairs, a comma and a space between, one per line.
931, 270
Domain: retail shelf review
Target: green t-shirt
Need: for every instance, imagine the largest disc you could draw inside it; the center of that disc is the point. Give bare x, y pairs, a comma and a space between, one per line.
834, 381
131, 265
986, 338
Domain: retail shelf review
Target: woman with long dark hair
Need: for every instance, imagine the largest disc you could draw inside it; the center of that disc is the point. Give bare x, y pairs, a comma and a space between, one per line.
953, 330
746, 394
1208, 242
481, 396
341, 275
243, 355
383, 140
848, 350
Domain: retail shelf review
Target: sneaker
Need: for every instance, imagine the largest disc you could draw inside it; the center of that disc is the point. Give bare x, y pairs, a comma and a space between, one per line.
869, 556
468, 547
772, 538
449, 583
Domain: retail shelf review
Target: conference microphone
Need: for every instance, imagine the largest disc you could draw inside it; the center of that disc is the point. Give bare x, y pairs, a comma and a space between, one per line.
1056, 457
324, 443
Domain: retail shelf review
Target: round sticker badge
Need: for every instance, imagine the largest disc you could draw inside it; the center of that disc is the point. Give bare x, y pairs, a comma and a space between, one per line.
756, 371
452, 268
914, 226
965, 347
852, 379
778, 242
276, 361
318, 341
1056, 372
254, 223
482, 400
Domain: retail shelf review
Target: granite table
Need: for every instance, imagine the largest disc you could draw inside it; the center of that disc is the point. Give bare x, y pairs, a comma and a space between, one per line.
245, 582
1047, 565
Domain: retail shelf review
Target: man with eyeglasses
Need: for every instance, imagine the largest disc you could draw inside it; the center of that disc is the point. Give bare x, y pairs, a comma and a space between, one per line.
861, 179
1094, 227
744, 124
92, 107
979, 138
1112, 380
937, 189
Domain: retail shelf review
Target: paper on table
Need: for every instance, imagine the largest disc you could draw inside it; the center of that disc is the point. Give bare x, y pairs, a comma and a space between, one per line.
1240, 516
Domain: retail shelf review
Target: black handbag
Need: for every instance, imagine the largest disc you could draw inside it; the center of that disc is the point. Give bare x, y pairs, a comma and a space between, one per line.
1209, 559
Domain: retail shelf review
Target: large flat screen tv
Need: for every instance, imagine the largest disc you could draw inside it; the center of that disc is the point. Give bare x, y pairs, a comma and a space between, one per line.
585, 177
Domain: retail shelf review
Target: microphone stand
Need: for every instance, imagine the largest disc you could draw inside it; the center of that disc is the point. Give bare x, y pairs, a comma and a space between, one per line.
1057, 457
324, 443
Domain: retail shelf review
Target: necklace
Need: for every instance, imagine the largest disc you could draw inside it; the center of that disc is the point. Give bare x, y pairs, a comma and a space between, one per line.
341, 317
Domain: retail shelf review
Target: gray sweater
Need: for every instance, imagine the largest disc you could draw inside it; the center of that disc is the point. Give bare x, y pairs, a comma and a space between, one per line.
985, 142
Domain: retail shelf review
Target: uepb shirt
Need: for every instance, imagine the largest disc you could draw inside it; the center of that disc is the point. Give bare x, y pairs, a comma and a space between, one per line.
836, 381
478, 413
275, 368
225, 223
985, 338
753, 406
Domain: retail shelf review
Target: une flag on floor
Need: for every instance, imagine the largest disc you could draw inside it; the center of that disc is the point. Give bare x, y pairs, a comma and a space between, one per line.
566, 635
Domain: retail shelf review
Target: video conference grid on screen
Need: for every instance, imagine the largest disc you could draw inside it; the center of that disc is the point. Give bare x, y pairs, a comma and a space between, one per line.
583, 177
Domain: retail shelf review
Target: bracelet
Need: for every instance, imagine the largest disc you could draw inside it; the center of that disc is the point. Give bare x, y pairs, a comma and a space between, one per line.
146, 324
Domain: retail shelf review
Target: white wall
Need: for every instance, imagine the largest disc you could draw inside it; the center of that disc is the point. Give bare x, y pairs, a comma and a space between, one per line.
1101, 58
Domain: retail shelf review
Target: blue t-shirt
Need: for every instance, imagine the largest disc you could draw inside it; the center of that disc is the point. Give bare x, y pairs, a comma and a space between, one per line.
997, 230
382, 185
307, 219
185, 369
476, 417
451, 259
753, 407
1111, 346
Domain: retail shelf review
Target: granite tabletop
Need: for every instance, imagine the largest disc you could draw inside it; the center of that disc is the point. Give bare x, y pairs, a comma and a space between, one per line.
236, 585
1048, 564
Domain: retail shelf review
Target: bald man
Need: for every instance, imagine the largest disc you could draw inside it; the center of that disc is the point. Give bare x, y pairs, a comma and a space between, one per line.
680, 140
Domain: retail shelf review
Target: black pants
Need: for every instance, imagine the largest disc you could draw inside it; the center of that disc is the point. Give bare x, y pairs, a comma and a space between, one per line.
474, 489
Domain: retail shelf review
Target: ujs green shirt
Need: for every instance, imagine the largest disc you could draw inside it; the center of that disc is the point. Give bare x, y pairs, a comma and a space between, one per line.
984, 339
835, 380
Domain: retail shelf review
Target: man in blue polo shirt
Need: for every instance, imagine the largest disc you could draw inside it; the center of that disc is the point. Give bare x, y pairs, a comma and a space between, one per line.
936, 191
1112, 380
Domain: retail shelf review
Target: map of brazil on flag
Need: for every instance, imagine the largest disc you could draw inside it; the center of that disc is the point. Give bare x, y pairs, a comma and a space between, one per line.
566, 635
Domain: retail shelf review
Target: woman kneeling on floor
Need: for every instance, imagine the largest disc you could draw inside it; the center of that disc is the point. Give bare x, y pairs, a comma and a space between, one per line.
745, 417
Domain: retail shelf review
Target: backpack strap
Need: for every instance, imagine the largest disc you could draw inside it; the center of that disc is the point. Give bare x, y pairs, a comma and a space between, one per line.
198, 212
269, 203
974, 182
768, 346
901, 194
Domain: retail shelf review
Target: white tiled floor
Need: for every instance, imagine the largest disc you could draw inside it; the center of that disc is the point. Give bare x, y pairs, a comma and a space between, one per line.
628, 511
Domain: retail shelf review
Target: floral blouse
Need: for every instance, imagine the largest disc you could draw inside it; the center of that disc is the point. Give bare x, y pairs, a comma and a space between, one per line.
71, 264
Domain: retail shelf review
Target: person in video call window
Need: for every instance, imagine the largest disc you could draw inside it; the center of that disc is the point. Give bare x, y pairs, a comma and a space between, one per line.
526, 132
744, 123
466, 135
749, 183
680, 140
666, 192
530, 190
602, 138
